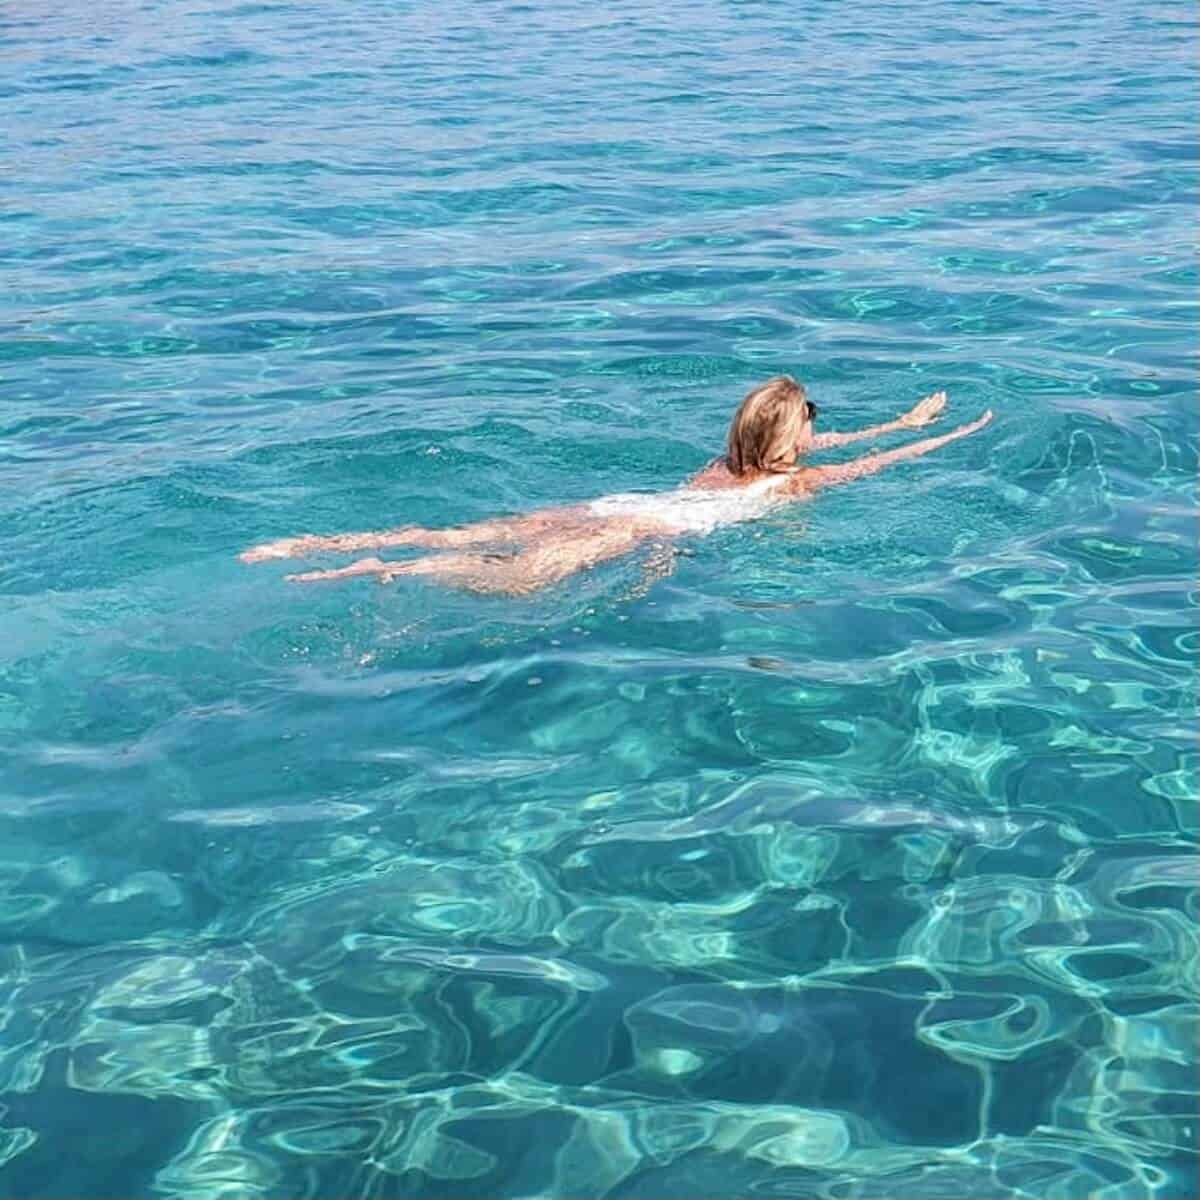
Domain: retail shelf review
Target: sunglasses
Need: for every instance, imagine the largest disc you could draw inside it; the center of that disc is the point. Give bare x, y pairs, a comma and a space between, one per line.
811, 410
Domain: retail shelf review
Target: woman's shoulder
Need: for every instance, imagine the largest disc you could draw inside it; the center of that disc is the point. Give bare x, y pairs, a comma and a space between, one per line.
718, 477
802, 479
714, 476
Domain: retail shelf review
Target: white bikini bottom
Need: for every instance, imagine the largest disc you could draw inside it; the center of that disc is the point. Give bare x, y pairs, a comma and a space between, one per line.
694, 510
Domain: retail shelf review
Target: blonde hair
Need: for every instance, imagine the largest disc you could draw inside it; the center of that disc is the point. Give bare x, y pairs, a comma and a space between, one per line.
766, 426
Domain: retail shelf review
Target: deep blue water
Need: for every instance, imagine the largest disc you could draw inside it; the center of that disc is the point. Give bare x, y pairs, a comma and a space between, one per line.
856, 859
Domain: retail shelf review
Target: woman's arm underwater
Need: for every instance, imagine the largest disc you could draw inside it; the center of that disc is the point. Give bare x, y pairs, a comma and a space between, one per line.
809, 477
924, 412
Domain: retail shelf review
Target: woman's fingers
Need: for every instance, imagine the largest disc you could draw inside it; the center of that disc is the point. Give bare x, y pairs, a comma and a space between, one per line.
926, 411
932, 407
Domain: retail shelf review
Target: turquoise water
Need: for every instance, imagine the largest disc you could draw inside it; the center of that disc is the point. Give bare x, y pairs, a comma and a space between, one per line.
855, 859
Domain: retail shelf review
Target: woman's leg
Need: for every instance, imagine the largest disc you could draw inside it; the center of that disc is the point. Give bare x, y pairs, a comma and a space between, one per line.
503, 529
520, 574
364, 566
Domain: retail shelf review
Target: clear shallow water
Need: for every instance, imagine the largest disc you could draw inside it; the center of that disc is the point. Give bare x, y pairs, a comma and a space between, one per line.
856, 859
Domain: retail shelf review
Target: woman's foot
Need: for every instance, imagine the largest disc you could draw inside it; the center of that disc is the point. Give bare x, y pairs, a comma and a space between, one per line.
284, 548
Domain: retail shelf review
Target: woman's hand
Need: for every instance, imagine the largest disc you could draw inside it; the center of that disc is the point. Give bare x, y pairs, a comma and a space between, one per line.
925, 412
977, 424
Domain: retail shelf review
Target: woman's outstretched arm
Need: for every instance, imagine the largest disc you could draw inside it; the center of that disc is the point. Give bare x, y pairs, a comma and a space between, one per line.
924, 412
870, 463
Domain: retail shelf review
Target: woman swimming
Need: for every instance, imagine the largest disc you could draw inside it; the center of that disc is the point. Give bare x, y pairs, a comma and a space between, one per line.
772, 427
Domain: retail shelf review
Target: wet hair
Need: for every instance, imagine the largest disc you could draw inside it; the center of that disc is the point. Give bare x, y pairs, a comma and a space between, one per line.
766, 426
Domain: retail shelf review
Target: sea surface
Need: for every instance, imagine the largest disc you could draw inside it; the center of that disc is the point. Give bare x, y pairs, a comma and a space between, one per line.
853, 859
